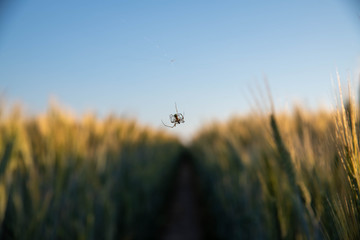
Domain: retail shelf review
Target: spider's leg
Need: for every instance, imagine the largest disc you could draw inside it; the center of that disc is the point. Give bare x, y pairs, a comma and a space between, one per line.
168, 125
165, 124
176, 108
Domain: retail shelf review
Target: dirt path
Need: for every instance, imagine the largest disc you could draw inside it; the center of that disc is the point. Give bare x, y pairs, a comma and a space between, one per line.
184, 220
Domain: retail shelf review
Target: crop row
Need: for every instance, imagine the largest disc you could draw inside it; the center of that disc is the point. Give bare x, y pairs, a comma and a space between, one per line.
68, 178
283, 176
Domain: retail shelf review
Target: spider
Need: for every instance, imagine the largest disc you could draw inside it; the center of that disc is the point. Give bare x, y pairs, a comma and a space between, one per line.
176, 118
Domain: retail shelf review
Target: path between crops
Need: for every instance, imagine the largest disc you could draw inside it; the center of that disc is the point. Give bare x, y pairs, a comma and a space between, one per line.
184, 216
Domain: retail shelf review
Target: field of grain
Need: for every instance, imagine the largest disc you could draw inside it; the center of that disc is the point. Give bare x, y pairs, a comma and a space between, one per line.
283, 176
290, 175
63, 178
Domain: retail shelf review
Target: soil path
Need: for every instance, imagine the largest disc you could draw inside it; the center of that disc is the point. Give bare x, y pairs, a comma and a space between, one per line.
184, 217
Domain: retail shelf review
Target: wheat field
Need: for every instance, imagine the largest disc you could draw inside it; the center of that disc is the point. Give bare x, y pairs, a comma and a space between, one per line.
283, 176
290, 175
63, 178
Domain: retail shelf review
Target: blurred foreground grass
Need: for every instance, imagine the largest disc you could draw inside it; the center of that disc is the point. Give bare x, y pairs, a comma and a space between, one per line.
285, 176
62, 178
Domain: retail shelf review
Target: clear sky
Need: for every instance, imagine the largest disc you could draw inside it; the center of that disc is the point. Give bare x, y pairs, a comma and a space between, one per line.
136, 58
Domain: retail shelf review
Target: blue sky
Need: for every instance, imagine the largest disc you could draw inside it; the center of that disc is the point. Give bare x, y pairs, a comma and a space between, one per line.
136, 58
